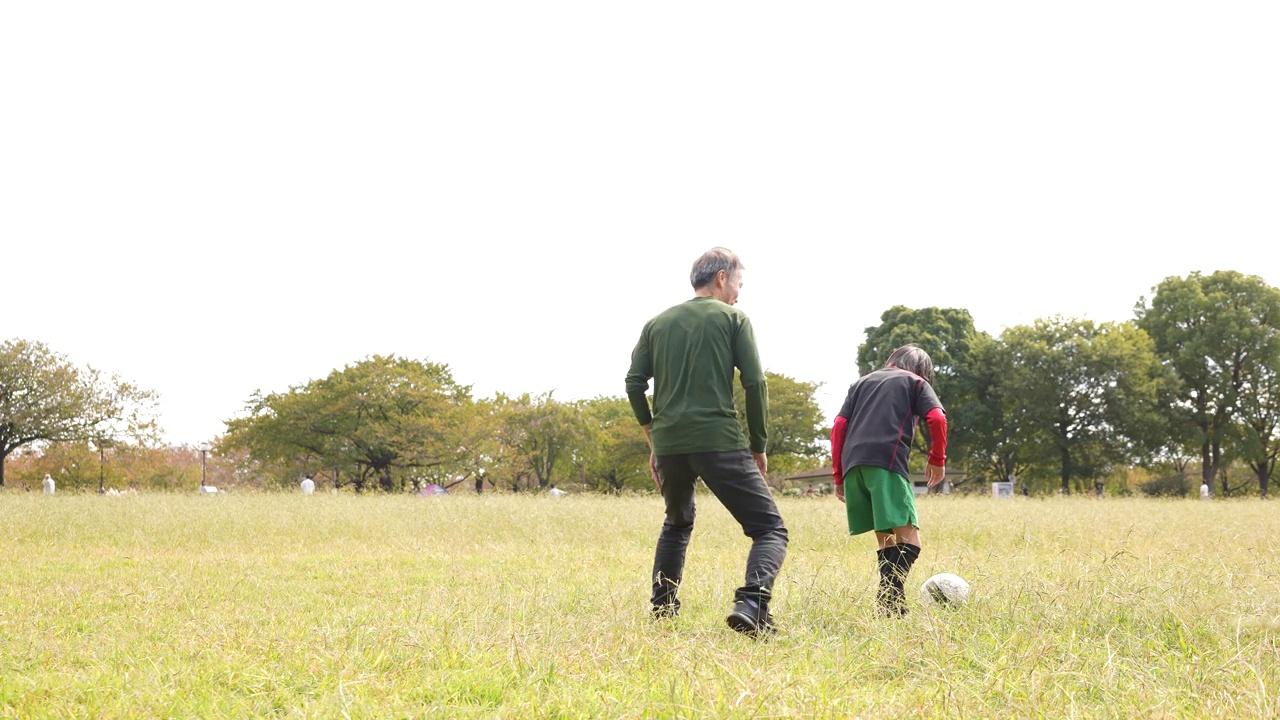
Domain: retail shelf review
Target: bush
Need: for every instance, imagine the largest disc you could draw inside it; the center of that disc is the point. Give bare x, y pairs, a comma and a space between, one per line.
1166, 486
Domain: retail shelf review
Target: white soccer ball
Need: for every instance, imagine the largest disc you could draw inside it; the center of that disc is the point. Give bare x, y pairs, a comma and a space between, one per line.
944, 589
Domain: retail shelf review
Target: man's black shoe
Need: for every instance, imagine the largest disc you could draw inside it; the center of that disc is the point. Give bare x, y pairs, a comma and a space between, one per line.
748, 618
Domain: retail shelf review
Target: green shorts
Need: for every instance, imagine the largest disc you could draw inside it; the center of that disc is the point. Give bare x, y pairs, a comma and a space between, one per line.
878, 499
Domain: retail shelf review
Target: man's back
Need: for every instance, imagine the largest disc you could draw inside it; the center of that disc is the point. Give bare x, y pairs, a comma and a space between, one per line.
690, 351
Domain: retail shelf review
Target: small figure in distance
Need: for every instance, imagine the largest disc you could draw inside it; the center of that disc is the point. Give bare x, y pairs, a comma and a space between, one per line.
556, 492
48, 484
308, 485
1204, 491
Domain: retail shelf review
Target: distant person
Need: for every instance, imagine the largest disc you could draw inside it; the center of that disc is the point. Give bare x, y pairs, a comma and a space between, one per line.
1204, 491
1097, 488
556, 492
1025, 492
49, 486
690, 352
869, 447
308, 485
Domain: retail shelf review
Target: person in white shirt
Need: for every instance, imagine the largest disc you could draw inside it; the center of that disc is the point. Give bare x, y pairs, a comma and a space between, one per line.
308, 485
556, 492
1204, 491
48, 484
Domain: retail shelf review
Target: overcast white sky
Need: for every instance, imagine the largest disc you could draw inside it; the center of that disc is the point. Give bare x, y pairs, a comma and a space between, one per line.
211, 198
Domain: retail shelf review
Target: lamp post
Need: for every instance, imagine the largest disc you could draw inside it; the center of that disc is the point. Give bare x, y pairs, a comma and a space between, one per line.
204, 451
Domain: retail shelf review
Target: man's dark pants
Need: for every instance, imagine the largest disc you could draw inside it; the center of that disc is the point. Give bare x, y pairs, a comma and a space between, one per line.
735, 480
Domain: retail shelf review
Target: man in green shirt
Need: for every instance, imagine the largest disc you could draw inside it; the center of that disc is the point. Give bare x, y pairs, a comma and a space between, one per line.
690, 351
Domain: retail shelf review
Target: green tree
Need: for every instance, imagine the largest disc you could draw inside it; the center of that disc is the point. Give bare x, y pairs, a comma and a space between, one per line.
44, 398
996, 425
614, 451
1214, 331
379, 420
1257, 434
540, 435
948, 335
796, 431
1084, 394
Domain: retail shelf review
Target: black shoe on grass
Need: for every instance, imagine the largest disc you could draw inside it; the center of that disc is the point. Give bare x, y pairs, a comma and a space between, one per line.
748, 618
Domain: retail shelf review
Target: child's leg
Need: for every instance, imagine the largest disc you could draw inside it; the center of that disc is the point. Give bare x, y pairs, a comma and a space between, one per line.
907, 534
895, 558
897, 536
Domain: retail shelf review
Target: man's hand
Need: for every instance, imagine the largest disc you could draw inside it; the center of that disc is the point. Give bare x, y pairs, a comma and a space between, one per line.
762, 463
934, 473
840, 492
653, 457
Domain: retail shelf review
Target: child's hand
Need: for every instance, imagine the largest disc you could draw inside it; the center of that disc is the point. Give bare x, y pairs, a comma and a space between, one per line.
840, 492
934, 473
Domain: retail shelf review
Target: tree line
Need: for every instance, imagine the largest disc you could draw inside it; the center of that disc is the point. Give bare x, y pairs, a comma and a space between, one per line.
1192, 382
397, 424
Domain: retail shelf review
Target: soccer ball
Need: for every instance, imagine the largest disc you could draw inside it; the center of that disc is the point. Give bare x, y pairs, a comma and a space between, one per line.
944, 589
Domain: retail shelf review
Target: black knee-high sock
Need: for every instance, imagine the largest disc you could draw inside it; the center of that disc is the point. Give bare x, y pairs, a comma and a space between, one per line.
895, 563
887, 562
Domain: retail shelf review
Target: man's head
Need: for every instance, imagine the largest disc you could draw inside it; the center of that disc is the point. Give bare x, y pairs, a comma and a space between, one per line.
718, 273
911, 358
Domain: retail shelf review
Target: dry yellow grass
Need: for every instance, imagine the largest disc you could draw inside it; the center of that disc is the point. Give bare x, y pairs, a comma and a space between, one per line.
519, 606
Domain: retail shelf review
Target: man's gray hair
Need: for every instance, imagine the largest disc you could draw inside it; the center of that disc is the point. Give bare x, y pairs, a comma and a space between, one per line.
912, 358
713, 261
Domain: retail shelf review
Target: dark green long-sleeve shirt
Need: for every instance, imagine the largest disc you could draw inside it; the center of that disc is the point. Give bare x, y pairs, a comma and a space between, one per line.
690, 351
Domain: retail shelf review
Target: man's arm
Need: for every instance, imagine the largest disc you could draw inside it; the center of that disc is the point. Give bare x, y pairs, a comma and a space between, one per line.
637, 387
747, 359
653, 457
638, 382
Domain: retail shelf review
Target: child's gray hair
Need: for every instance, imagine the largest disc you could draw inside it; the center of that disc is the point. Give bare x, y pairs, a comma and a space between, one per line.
712, 262
912, 358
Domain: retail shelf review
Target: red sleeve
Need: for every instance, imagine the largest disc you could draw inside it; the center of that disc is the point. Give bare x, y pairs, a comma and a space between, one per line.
837, 447
938, 435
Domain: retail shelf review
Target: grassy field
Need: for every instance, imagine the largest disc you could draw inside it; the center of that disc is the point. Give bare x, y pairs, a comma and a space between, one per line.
503, 606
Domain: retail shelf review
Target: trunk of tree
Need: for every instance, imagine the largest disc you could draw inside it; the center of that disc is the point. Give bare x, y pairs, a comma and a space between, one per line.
1216, 447
1263, 471
1208, 471
385, 480
1066, 471
2, 459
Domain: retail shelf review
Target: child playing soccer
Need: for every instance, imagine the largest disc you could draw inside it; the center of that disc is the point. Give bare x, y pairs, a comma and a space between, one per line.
869, 446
